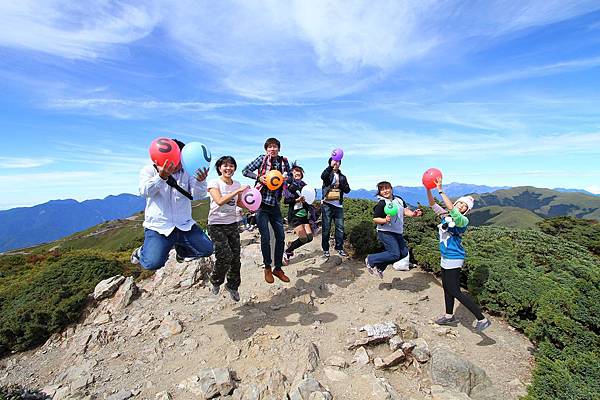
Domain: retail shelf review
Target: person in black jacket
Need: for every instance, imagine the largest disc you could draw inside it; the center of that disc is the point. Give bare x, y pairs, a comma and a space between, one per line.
335, 185
300, 214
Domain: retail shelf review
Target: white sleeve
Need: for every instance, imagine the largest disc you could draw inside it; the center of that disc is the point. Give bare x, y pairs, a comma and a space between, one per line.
198, 189
150, 182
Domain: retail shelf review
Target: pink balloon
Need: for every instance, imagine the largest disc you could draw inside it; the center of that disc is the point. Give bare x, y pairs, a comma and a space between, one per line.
251, 199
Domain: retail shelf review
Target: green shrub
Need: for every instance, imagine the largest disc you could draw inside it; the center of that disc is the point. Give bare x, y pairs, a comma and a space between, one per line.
545, 284
34, 307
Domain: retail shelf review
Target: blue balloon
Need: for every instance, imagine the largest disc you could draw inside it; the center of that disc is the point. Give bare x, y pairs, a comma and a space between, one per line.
195, 156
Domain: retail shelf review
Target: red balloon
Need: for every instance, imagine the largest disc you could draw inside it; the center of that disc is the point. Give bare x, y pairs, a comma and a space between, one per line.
163, 149
430, 176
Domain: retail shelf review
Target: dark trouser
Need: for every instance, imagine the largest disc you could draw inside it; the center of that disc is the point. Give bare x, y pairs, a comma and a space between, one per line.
155, 251
451, 283
299, 243
271, 214
227, 252
336, 214
395, 250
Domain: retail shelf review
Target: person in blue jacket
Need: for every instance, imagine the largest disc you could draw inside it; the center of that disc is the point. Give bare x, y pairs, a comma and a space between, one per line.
453, 226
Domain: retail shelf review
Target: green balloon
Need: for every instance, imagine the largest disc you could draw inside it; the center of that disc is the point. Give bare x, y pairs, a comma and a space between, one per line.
391, 209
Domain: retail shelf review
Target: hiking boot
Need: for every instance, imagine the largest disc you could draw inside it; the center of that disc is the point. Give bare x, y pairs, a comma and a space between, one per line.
135, 256
342, 253
326, 254
269, 275
443, 320
482, 325
234, 294
278, 272
215, 289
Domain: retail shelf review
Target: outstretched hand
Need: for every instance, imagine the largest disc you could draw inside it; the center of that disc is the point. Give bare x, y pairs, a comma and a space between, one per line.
438, 183
417, 213
201, 174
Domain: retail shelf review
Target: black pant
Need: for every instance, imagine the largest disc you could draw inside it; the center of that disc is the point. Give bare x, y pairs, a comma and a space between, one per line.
451, 283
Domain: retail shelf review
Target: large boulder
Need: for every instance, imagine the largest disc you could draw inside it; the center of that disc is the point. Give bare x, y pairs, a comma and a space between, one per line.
453, 372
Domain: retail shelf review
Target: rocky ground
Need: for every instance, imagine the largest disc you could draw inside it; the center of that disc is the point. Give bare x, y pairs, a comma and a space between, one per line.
169, 338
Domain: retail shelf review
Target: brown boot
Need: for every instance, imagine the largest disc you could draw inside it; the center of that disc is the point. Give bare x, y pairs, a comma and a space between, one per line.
281, 275
269, 275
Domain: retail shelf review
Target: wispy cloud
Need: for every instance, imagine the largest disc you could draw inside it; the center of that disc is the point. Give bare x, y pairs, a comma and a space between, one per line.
73, 29
530, 72
23, 162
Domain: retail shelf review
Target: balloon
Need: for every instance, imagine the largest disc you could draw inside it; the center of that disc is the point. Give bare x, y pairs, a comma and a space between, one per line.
274, 179
164, 149
195, 156
251, 199
309, 194
337, 154
430, 176
391, 209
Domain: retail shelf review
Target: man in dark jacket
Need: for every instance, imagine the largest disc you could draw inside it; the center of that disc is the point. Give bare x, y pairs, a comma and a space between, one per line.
335, 185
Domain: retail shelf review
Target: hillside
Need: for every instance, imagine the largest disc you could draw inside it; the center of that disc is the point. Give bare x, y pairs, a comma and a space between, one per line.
544, 202
29, 226
172, 340
510, 217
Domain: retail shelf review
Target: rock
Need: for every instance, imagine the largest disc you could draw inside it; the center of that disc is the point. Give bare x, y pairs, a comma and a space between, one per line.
108, 287
211, 382
421, 350
312, 356
368, 341
336, 361
335, 375
361, 357
170, 327
102, 319
124, 296
82, 382
163, 396
440, 393
409, 332
452, 372
308, 387
396, 342
382, 390
390, 361
122, 395
386, 329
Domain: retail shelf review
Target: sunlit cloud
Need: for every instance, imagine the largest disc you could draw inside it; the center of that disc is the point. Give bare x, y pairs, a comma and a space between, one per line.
24, 162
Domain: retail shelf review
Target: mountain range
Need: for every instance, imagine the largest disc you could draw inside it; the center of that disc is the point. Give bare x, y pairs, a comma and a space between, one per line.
28, 226
519, 207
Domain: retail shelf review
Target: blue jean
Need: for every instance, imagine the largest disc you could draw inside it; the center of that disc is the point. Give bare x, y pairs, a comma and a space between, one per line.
395, 250
155, 251
330, 212
271, 214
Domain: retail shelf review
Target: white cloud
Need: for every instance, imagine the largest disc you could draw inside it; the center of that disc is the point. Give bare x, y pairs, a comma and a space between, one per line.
593, 189
23, 162
73, 29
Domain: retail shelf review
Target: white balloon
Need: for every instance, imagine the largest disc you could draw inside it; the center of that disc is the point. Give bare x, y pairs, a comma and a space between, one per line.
309, 193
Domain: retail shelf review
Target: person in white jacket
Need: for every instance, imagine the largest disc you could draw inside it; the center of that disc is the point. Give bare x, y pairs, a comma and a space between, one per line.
168, 221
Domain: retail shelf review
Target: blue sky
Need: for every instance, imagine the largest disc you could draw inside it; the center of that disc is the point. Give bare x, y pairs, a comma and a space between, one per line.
494, 92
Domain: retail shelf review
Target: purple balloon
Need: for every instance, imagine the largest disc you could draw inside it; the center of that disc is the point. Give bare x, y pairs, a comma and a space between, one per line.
337, 154
251, 199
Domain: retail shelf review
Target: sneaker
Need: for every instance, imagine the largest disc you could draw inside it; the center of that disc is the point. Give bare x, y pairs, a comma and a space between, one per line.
135, 256
482, 325
181, 259
401, 266
286, 257
342, 253
234, 294
371, 270
269, 275
278, 272
326, 254
443, 320
378, 273
215, 289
